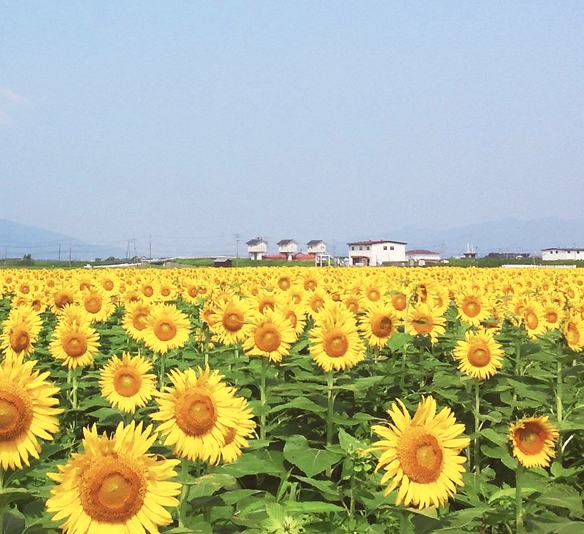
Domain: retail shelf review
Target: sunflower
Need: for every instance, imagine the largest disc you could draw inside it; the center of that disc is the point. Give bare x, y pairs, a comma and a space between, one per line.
230, 320
473, 306
533, 441
20, 332
135, 318
115, 486
126, 383
74, 343
573, 331
197, 413
479, 355
335, 340
97, 303
166, 328
295, 314
270, 336
534, 318
399, 301
235, 436
27, 412
315, 301
378, 324
61, 296
421, 454
425, 320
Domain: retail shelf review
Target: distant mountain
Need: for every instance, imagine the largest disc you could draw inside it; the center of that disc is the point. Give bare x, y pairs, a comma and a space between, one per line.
507, 235
16, 240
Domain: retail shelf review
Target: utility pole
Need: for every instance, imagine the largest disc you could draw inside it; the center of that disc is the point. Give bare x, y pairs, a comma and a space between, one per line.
150, 248
59, 255
237, 249
69, 252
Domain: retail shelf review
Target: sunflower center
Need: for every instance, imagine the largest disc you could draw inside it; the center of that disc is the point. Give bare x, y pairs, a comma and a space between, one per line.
310, 285
148, 291
139, 321
266, 304
373, 295
531, 320
62, 299
111, 491
195, 413
93, 304
551, 317
15, 415
233, 321
423, 325
316, 304
479, 357
291, 316
75, 345
230, 435
420, 455
530, 439
193, 291
127, 383
267, 338
572, 334
381, 326
471, 308
19, 340
108, 285
399, 302
165, 331
165, 291
284, 284
335, 344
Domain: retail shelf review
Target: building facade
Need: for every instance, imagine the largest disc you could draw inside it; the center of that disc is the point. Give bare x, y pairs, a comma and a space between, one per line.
257, 248
378, 252
554, 254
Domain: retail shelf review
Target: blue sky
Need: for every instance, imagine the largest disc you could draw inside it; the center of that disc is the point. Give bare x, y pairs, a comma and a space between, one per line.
195, 121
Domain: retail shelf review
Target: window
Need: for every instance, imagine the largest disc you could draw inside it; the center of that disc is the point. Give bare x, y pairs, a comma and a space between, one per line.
368, 247
384, 247
391, 248
360, 248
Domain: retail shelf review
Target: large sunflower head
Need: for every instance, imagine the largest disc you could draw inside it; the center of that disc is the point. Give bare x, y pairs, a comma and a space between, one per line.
473, 306
230, 320
378, 324
335, 340
424, 320
421, 454
271, 336
197, 414
27, 412
74, 343
97, 303
534, 318
115, 485
573, 331
127, 383
166, 328
479, 355
135, 319
533, 441
20, 332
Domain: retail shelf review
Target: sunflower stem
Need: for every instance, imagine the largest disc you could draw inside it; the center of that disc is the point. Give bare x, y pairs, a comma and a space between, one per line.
161, 372
184, 473
330, 380
519, 499
477, 420
263, 397
559, 405
72, 379
404, 524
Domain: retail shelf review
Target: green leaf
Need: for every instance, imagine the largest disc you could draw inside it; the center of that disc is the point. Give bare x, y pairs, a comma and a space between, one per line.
8, 495
493, 452
324, 486
301, 403
261, 461
495, 437
312, 507
348, 443
562, 496
398, 340
311, 461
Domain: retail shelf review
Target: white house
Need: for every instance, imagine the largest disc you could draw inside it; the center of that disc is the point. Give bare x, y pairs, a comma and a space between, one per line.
316, 246
421, 257
376, 252
289, 247
257, 248
558, 253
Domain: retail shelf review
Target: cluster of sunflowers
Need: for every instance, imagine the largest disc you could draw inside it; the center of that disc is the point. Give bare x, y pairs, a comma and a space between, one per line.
347, 316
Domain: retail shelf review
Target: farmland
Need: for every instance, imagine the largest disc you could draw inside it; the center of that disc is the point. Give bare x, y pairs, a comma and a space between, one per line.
291, 399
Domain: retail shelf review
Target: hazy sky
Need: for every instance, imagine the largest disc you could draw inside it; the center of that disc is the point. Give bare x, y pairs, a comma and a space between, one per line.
339, 120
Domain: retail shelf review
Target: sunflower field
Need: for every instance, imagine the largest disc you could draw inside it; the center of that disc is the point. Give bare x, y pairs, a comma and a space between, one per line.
291, 400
